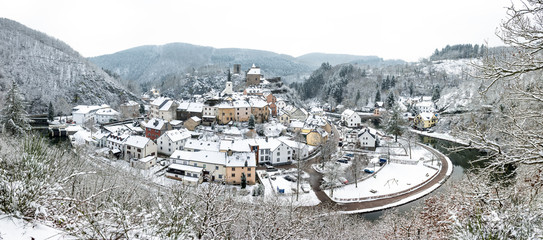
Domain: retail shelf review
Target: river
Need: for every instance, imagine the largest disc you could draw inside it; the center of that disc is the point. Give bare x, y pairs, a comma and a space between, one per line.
461, 162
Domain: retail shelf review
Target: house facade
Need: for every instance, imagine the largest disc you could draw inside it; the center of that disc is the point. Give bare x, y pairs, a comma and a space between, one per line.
367, 138
226, 113
172, 140
425, 120
139, 147
155, 127
351, 119
242, 110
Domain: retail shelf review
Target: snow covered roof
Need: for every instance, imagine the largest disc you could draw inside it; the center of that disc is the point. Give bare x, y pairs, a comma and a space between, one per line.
155, 123
372, 132
258, 103
177, 135
84, 109
117, 138
130, 103
291, 143
187, 168
347, 113
159, 101
137, 141
146, 159
82, 136
273, 130
241, 103
183, 105
107, 112
196, 119
175, 122
225, 105
202, 145
235, 145
232, 131
238, 159
425, 104
195, 107
270, 143
297, 124
213, 157
166, 105
254, 70
427, 115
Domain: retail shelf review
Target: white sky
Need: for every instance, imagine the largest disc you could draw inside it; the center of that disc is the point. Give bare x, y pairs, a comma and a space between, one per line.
391, 29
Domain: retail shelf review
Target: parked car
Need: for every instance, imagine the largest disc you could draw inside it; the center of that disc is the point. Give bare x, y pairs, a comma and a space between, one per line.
343, 180
271, 168
305, 188
273, 177
343, 160
367, 170
290, 178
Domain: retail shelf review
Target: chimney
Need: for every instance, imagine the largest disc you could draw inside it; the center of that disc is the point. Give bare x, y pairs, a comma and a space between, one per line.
230, 152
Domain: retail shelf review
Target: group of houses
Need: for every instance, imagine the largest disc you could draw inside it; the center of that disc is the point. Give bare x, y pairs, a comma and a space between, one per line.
173, 130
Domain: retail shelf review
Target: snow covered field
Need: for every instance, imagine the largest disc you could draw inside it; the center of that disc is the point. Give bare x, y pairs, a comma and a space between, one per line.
391, 179
15, 228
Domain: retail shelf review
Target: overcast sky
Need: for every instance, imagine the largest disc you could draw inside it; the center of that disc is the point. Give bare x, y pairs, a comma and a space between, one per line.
391, 29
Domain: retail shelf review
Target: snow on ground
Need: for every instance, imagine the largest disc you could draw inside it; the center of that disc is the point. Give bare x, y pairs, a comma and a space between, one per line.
15, 228
444, 136
289, 195
391, 179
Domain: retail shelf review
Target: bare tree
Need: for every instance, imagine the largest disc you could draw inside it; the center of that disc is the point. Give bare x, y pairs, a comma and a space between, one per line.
358, 163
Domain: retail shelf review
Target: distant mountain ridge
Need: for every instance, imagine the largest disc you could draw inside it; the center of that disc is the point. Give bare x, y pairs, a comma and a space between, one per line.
48, 70
152, 63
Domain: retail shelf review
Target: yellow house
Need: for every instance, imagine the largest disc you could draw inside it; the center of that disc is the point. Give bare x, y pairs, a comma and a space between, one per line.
239, 164
425, 120
315, 137
226, 113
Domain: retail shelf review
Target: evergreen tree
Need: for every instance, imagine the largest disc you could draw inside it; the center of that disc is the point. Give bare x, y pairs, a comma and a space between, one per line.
411, 89
436, 94
13, 115
142, 109
378, 96
243, 181
229, 76
51, 112
357, 97
395, 123
252, 122
390, 100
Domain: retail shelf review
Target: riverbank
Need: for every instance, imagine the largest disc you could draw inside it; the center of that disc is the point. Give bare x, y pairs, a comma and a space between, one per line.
442, 136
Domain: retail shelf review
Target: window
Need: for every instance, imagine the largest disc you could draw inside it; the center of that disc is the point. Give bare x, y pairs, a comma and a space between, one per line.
196, 164
249, 169
127, 147
160, 148
139, 150
277, 159
233, 175
220, 176
233, 169
204, 165
217, 168
248, 175
278, 153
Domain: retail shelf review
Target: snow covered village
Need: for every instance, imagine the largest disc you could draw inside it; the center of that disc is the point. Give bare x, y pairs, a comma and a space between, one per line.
132, 134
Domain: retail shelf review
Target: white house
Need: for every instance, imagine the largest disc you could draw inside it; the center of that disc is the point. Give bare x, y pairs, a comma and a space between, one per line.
139, 147
297, 148
106, 115
172, 140
84, 113
116, 142
212, 163
189, 175
368, 138
426, 106
163, 108
143, 163
350, 118
273, 151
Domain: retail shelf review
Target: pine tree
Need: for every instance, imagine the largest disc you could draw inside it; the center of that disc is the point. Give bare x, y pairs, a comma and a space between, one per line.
411, 89
243, 181
50, 112
142, 108
13, 115
390, 100
357, 97
395, 123
378, 96
436, 93
252, 122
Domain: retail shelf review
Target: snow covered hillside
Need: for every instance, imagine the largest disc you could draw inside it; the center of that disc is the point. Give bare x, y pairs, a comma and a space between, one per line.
48, 70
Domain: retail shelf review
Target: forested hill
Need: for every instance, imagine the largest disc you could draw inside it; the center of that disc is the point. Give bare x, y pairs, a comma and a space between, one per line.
358, 85
152, 63
316, 59
48, 70
459, 51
